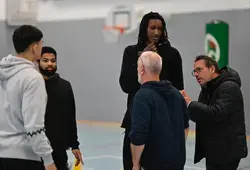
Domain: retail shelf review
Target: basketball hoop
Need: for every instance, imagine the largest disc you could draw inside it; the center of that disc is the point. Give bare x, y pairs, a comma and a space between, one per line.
112, 33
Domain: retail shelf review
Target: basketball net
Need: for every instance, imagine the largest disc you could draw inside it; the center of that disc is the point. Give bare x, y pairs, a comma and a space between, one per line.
112, 33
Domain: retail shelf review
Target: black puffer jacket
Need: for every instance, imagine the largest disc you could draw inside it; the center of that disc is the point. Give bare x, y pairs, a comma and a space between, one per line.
220, 120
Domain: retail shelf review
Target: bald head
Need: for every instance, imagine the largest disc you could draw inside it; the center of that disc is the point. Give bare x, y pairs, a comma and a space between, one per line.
152, 62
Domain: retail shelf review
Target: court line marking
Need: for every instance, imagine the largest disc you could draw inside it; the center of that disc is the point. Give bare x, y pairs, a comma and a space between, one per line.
112, 156
118, 124
120, 158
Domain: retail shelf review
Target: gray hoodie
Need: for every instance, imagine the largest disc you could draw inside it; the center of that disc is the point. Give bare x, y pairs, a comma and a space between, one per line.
23, 100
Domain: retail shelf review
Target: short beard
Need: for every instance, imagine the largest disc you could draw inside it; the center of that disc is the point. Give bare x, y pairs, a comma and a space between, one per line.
48, 73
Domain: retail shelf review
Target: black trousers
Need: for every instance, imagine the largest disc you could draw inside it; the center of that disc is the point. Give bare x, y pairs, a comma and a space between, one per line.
60, 159
20, 164
127, 155
233, 165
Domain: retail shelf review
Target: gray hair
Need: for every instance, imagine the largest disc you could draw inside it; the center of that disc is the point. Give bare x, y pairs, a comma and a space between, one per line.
152, 62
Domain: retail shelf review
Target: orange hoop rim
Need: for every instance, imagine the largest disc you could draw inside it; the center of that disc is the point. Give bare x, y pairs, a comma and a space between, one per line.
121, 29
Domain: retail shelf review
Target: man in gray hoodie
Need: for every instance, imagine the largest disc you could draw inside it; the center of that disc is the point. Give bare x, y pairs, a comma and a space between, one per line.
23, 143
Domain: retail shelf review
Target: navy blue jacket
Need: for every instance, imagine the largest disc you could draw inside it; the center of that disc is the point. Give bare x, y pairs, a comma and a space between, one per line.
159, 118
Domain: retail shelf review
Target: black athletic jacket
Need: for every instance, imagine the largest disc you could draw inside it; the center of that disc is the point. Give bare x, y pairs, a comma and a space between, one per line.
60, 117
220, 121
171, 70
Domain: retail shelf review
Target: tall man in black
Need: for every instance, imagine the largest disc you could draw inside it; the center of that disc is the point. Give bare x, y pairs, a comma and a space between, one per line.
219, 116
152, 37
60, 117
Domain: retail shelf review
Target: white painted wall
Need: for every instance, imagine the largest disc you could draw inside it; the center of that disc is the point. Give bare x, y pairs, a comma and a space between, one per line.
73, 10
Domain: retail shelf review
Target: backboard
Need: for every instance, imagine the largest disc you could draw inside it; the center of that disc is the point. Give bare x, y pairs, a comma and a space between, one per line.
123, 20
20, 12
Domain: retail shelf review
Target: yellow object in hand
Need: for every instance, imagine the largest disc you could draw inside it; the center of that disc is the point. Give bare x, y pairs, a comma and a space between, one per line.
78, 167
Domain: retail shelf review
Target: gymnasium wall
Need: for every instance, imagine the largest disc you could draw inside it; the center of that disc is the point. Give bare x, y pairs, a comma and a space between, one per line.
93, 67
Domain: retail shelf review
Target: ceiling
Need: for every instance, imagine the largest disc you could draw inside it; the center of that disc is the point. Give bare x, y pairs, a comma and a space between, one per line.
109, 3
99, 2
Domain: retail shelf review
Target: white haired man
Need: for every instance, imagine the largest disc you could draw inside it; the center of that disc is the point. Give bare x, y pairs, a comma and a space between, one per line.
159, 119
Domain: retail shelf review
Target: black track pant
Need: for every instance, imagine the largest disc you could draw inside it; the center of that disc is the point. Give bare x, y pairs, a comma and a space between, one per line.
20, 164
127, 156
233, 165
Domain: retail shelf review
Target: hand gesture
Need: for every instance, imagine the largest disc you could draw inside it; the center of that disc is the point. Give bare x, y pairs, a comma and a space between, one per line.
186, 97
151, 47
78, 155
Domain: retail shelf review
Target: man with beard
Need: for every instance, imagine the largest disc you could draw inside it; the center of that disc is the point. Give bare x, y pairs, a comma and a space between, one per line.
60, 117
152, 36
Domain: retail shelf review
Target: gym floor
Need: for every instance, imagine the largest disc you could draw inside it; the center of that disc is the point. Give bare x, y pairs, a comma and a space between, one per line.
101, 144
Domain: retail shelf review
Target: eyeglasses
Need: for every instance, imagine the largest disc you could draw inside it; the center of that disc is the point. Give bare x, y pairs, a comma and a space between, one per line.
197, 70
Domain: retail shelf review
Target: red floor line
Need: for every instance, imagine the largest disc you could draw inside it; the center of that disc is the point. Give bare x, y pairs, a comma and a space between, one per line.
117, 124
